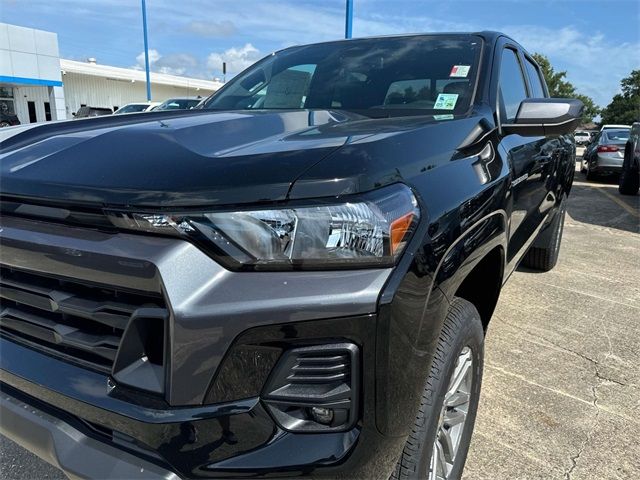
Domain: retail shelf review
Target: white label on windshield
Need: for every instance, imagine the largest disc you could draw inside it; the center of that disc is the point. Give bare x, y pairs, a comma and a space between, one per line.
446, 101
460, 71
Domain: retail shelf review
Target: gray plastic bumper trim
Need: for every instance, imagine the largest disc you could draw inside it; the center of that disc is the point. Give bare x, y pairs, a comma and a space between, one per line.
63, 446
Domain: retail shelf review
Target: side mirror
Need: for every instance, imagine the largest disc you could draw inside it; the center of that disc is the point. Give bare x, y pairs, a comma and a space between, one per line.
546, 116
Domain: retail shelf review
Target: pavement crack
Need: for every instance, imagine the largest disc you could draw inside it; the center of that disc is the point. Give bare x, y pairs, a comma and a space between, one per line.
594, 391
590, 295
596, 364
610, 380
561, 347
574, 458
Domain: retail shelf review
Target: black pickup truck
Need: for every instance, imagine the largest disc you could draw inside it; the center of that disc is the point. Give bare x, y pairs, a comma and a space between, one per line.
295, 279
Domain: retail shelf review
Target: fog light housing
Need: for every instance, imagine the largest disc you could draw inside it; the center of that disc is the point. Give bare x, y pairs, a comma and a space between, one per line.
322, 415
315, 388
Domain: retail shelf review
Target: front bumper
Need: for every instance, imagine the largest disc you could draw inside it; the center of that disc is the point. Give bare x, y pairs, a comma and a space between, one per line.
88, 416
61, 444
66, 414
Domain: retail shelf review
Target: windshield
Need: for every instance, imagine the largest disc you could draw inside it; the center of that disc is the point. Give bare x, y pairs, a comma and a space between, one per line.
376, 77
617, 135
140, 107
178, 104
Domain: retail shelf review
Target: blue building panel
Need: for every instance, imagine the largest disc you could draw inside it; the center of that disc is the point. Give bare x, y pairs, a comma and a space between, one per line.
30, 81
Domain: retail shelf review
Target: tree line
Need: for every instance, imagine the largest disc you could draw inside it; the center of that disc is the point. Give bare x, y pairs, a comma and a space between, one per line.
623, 109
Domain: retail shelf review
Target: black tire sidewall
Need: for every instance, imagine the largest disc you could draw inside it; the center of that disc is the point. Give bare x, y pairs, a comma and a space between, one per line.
465, 324
629, 180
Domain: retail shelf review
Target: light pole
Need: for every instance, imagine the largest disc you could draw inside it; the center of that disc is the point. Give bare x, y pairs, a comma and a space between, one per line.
146, 49
348, 21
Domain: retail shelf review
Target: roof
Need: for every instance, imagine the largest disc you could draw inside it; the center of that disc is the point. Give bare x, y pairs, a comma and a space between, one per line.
132, 75
487, 35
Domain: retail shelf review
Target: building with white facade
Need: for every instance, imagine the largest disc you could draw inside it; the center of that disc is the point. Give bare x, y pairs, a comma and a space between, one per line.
30, 77
37, 85
95, 85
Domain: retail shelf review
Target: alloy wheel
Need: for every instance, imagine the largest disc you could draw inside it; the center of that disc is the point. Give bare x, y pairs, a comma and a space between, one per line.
453, 417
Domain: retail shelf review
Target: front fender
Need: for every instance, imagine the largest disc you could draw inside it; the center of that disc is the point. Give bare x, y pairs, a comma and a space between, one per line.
417, 297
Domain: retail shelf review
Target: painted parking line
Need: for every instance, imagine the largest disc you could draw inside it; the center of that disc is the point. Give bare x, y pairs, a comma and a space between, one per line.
602, 188
632, 211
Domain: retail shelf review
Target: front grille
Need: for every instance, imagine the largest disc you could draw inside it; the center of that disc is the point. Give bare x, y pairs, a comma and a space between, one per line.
65, 317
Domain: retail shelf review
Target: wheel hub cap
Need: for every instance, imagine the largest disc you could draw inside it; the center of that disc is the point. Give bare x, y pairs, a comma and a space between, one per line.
453, 416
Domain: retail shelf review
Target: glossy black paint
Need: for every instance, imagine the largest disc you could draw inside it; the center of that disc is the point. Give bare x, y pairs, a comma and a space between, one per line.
484, 195
224, 158
232, 439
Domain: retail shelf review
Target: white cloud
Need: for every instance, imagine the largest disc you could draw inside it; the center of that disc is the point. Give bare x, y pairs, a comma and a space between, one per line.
237, 59
154, 56
172, 64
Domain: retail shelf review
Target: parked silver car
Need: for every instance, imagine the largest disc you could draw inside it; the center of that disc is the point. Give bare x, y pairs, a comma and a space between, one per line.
605, 153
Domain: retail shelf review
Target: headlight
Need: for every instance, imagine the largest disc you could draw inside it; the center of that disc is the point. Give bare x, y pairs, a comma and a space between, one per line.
367, 230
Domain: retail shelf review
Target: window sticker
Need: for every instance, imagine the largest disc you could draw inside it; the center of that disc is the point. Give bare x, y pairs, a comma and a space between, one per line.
446, 101
460, 71
448, 116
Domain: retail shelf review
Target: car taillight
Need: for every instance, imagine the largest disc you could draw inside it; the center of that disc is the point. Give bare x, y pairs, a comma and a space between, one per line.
607, 148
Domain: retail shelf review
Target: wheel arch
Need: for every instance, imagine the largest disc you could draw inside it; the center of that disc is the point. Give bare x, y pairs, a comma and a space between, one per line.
483, 283
480, 272
409, 325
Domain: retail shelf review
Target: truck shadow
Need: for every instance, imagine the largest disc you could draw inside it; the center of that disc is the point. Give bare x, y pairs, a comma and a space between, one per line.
599, 203
593, 203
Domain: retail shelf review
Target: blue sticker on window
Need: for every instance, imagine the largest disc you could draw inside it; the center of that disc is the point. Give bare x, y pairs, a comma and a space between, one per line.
446, 101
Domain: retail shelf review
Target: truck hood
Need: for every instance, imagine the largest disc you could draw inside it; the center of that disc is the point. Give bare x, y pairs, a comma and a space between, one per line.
168, 159
179, 159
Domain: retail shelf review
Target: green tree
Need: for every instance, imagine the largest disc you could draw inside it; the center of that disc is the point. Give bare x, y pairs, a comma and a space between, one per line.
559, 87
625, 106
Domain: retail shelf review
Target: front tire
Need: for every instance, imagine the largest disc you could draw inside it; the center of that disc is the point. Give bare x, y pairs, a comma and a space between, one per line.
438, 444
543, 254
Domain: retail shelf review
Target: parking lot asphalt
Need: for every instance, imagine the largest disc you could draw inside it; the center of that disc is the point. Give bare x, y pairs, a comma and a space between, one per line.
561, 389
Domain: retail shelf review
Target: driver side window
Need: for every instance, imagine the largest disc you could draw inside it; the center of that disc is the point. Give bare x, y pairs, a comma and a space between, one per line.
511, 88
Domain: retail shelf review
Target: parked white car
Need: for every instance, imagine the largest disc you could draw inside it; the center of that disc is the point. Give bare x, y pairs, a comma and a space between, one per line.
182, 103
614, 127
582, 137
136, 107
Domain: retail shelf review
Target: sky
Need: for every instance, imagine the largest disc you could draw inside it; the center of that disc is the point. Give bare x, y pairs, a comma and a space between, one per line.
596, 42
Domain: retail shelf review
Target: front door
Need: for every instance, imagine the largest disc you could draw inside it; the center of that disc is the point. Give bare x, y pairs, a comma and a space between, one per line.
533, 160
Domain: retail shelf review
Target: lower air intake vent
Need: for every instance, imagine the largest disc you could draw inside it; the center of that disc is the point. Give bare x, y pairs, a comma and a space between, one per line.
315, 388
